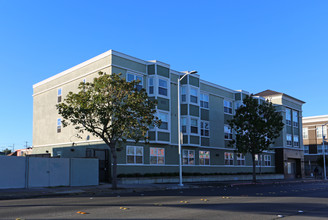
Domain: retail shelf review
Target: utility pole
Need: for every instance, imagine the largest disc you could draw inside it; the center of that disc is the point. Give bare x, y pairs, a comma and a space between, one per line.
26, 144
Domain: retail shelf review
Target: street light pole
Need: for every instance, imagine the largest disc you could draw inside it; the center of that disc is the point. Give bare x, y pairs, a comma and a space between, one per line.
179, 127
324, 152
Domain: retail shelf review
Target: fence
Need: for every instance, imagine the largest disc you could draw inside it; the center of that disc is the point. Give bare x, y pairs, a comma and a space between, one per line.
28, 172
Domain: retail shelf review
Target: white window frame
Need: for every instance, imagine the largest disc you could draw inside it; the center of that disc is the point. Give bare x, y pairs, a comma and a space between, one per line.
203, 129
226, 108
167, 84
305, 133
258, 160
267, 160
197, 90
188, 157
229, 133
288, 117
184, 119
154, 86
228, 159
319, 131
202, 96
204, 159
295, 119
168, 120
296, 141
135, 154
157, 156
59, 125
241, 160
135, 76
289, 139
192, 133
59, 96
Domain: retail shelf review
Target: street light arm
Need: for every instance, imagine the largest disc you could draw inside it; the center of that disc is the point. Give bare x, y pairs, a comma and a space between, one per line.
188, 73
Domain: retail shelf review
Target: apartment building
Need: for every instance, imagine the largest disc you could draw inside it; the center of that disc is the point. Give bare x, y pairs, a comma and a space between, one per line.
314, 128
205, 111
289, 157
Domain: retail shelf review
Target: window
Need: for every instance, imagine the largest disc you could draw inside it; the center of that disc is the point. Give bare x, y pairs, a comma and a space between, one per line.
188, 157
183, 94
228, 158
319, 131
258, 160
295, 119
204, 157
319, 149
205, 128
306, 149
59, 125
157, 155
240, 159
193, 95
228, 107
296, 143
134, 154
267, 160
305, 133
194, 126
184, 125
151, 86
227, 132
162, 87
204, 99
164, 117
59, 95
289, 139
130, 77
288, 117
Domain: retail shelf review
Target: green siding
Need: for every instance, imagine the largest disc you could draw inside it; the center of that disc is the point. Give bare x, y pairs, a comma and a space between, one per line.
163, 104
292, 104
163, 136
237, 96
151, 135
289, 129
184, 109
296, 131
128, 64
194, 110
193, 81
119, 70
184, 81
217, 121
185, 139
163, 71
226, 118
217, 91
151, 69
205, 114
194, 139
205, 141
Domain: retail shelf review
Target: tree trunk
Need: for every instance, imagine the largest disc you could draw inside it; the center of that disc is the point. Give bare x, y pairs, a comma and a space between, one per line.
114, 174
254, 168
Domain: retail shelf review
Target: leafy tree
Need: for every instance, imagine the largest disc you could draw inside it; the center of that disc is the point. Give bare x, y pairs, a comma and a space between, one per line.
112, 109
6, 151
256, 126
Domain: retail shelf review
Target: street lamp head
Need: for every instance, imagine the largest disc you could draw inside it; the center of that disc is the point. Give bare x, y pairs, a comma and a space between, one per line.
192, 72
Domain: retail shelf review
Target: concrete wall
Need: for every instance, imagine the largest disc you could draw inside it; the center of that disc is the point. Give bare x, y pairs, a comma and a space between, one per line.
12, 172
28, 172
84, 172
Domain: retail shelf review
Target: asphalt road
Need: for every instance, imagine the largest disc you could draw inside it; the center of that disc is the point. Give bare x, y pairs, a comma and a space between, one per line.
278, 201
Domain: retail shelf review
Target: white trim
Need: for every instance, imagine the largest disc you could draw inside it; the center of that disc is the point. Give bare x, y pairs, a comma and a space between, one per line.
135, 154
168, 84
159, 63
156, 164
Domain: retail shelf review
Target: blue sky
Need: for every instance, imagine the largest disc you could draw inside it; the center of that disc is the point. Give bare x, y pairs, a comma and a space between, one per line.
250, 45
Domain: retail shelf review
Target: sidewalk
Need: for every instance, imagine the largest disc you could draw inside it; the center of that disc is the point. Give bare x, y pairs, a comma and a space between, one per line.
106, 188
